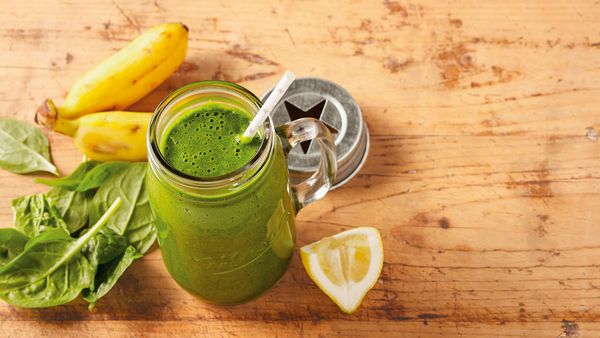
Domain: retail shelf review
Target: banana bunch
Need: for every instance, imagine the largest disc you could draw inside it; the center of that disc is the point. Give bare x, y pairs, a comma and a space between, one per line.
91, 111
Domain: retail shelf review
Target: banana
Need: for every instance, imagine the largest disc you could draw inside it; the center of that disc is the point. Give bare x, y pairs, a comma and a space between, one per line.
120, 80
112, 136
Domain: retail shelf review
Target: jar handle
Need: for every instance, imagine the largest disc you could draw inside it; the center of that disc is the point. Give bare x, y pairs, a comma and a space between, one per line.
318, 184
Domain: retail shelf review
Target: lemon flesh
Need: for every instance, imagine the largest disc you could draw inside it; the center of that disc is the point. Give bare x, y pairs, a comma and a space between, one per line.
345, 266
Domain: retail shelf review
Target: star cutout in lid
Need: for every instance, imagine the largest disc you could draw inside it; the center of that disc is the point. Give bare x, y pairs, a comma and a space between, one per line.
315, 111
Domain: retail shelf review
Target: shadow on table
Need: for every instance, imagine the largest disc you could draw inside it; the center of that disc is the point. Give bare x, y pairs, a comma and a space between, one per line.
147, 293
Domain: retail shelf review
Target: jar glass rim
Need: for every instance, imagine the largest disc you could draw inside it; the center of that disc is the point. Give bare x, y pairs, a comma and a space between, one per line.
155, 155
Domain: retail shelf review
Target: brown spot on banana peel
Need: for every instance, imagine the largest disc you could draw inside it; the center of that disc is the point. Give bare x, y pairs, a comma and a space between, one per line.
107, 148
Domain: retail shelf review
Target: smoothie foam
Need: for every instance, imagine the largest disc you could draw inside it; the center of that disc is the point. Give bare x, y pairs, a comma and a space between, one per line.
204, 142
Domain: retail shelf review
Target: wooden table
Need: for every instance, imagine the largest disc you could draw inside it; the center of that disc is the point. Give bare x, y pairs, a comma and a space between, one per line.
483, 174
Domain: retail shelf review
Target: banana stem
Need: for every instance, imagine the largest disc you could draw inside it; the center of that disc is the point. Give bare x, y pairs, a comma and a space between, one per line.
47, 116
65, 126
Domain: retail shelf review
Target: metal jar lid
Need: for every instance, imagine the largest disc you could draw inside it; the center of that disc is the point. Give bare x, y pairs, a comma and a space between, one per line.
333, 105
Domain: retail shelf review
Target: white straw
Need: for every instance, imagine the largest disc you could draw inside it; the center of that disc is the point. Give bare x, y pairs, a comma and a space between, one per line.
276, 95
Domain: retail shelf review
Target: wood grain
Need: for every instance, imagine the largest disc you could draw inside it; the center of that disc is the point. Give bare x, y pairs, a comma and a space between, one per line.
483, 174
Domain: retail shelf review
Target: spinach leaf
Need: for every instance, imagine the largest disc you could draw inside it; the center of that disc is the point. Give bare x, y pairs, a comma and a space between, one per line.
109, 274
98, 175
12, 243
134, 220
51, 270
89, 175
34, 214
105, 246
72, 206
71, 181
24, 148
73, 202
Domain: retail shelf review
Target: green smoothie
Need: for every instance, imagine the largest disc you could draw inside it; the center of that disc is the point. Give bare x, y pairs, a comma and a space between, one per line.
230, 247
205, 142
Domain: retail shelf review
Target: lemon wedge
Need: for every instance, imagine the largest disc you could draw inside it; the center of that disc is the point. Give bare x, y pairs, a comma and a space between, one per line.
345, 266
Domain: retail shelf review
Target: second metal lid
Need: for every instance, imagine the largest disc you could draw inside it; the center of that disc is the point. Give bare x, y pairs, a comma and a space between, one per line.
334, 106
